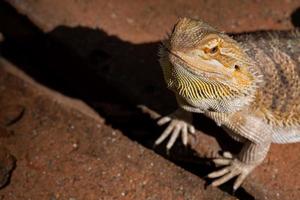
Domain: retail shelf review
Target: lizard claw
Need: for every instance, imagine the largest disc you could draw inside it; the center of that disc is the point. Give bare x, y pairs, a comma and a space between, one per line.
175, 128
234, 168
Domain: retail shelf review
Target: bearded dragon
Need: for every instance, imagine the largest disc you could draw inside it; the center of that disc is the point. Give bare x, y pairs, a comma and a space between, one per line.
249, 85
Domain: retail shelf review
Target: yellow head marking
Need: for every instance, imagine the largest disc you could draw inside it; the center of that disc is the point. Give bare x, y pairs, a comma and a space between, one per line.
205, 62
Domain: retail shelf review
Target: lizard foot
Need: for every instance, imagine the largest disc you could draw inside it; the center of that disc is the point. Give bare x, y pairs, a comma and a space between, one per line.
179, 124
234, 168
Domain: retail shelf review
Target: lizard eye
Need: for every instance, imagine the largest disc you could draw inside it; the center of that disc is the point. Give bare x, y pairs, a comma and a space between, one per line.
214, 50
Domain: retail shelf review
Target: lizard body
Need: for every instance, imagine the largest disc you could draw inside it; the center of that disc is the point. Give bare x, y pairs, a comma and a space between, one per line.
277, 102
249, 85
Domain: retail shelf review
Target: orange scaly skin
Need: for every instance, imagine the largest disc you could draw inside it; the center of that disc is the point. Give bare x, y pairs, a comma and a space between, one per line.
249, 85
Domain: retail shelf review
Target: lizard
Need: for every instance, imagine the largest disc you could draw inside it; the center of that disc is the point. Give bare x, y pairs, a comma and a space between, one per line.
249, 84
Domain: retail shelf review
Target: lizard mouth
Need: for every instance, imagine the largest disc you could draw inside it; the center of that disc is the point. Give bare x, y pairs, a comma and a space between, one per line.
177, 60
194, 84
186, 82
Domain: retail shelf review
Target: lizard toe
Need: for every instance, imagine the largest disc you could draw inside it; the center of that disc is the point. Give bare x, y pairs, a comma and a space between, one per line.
234, 168
174, 130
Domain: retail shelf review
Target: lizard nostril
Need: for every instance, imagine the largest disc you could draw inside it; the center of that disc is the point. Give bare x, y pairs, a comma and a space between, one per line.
236, 67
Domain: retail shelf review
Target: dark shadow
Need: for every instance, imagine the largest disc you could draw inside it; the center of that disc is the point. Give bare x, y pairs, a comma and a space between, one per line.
295, 17
111, 75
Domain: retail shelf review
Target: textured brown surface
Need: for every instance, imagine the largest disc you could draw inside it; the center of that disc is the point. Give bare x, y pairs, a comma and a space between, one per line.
144, 21
115, 55
64, 151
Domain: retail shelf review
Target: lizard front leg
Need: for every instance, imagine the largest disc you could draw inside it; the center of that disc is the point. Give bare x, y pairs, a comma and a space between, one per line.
251, 155
180, 123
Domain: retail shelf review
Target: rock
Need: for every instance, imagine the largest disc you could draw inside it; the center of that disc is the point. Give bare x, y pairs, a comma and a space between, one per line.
66, 152
103, 56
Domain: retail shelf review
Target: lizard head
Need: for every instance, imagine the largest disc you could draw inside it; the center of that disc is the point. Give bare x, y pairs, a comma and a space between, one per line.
200, 62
